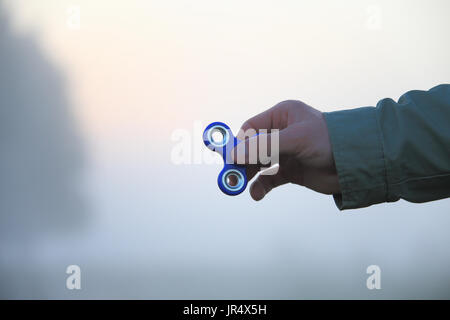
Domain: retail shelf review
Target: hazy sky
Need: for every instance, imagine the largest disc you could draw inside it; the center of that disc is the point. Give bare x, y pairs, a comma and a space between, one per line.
136, 71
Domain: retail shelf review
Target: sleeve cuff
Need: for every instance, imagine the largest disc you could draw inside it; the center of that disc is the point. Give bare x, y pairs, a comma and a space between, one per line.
359, 158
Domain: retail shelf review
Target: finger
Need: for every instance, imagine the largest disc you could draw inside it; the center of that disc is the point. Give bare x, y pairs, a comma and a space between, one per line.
263, 149
260, 121
265, 183
252, 170
270, 119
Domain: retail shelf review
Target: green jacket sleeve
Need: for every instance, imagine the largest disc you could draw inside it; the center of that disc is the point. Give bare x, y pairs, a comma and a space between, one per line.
396, 150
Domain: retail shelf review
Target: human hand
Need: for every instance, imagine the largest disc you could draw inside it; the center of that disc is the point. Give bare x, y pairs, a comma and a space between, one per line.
305, 154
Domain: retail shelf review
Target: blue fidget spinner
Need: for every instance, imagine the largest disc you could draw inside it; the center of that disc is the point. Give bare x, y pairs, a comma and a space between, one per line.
218, 137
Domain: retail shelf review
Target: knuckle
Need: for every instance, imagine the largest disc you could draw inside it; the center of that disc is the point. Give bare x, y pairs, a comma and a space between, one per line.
291, 103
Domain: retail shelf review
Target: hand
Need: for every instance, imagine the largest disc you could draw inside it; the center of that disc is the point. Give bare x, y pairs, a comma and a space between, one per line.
305, 157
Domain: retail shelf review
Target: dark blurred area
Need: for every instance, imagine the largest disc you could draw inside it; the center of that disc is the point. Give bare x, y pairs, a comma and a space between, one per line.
40, 155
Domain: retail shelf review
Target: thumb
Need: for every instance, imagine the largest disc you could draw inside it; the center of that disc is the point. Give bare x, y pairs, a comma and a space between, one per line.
264, 183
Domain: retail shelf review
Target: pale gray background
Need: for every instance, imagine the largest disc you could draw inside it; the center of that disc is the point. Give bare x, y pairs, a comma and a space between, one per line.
86, 118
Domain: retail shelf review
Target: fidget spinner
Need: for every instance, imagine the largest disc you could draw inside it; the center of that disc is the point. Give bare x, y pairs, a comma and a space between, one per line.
218, 137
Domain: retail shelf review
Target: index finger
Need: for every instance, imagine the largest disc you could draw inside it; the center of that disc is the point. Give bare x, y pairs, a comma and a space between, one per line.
273, 118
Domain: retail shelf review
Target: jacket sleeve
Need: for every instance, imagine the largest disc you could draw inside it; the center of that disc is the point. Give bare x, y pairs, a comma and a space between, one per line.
396, 150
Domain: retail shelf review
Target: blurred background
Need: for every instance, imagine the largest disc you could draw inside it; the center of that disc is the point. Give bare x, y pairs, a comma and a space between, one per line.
95, 94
